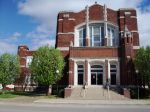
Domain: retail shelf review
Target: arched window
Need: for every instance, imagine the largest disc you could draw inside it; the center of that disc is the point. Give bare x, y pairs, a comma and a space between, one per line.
97, 37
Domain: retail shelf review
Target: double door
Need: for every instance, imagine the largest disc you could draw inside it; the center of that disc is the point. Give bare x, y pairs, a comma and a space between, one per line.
96, 78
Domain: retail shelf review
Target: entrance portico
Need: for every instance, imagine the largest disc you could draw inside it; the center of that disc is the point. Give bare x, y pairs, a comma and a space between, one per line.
94, 72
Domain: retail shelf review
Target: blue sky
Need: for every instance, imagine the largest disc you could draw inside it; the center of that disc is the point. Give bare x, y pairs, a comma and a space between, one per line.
33, 22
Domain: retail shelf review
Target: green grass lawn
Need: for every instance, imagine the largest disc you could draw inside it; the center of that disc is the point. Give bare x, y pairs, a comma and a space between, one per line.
12, 94
8, 95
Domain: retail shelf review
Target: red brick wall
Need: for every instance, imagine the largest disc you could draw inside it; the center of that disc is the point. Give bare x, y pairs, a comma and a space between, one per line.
93, 52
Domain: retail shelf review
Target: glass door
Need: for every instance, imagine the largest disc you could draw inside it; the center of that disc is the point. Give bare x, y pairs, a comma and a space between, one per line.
93, 78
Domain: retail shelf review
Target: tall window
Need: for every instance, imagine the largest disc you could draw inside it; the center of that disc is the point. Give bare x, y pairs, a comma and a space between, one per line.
96, 35
113, 73
82, 36
80, 74
111, 36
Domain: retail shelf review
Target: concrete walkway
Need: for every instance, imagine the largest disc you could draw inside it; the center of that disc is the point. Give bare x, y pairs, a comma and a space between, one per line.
67, 101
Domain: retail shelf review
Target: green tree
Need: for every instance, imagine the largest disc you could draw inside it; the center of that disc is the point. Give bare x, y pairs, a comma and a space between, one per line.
47, 66
142, 63
9, 69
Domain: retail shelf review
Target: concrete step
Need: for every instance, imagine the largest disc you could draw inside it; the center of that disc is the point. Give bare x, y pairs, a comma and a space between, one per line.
97, 93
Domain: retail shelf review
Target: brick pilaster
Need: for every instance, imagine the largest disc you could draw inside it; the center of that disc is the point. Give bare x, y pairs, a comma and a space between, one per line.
71, 72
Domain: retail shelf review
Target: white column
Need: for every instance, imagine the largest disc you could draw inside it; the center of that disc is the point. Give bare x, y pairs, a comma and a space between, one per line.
87, 22
108, 69
89, 74
105, 23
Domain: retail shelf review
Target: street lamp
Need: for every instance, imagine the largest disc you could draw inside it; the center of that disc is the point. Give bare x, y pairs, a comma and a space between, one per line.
57, 72
137, 72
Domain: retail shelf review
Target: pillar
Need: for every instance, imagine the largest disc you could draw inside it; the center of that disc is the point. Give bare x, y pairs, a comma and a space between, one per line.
71, 72
87, 27
86, 72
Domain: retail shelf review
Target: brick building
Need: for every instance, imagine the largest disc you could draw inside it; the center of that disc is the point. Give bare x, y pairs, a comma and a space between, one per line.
98, 45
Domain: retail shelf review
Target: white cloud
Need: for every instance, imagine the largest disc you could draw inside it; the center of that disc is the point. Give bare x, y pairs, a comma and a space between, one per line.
15, 35
45, 13
6, 47
7, 43
38, 42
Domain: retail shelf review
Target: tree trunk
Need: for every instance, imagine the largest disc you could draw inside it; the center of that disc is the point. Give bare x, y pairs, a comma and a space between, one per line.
3, 90
49, 91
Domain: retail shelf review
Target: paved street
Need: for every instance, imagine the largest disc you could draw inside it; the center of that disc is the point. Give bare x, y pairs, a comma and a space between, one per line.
32, 107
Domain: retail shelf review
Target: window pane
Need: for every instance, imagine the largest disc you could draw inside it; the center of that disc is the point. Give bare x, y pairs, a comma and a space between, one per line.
82, 34
80, 74
80, 66
96, 31
97, 38
97, 44
96, 66
113, 70
102, 32
113, 66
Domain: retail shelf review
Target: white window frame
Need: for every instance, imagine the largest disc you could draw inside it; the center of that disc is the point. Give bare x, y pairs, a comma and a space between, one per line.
28, 61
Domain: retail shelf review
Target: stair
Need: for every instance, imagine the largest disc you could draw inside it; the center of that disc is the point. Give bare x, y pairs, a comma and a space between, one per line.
95, 93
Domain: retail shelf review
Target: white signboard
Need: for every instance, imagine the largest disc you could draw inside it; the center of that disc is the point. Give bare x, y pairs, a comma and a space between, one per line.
1, 87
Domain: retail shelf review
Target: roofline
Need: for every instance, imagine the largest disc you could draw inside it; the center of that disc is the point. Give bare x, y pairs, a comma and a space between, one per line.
126, 9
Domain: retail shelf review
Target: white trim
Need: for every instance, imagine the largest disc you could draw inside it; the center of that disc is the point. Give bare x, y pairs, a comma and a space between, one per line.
126, 9
60, 19
89, 76
95, 21
134, 31
60, 33
127, 13
136, 47
63, 48
100, 61
22, 66
133, 16
73, 19
121, 17
87, 22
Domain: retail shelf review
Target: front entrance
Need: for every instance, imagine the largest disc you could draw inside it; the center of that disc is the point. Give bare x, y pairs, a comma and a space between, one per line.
96, 75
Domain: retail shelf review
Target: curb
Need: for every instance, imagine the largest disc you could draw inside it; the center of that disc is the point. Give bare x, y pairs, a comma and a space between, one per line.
100, 102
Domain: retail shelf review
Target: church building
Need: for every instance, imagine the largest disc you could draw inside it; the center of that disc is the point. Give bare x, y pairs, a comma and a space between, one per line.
98, 45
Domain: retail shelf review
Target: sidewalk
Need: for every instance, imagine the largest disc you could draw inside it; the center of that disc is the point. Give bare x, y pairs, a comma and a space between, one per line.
68, 101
